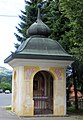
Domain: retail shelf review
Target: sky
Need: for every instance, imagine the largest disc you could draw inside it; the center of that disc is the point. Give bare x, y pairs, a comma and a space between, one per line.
9, 11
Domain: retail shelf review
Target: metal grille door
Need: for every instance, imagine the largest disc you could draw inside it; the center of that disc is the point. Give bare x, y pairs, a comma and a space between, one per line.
43, 94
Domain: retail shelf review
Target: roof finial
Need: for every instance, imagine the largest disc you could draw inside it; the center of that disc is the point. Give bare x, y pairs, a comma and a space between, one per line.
39, 15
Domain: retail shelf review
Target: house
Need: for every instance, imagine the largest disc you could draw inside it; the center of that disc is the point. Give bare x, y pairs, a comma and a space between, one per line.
72, 97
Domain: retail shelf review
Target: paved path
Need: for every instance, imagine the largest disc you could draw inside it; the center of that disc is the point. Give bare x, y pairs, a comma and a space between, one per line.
5, 99
8, 115
53, 118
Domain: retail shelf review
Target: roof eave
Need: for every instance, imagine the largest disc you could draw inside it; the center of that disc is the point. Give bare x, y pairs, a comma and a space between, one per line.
36, 56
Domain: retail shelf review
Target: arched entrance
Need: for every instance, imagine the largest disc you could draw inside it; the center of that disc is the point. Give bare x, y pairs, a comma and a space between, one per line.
43, 93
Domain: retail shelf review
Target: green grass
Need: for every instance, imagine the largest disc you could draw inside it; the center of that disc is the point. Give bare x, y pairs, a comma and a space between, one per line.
81, 118
76, 112
8, 108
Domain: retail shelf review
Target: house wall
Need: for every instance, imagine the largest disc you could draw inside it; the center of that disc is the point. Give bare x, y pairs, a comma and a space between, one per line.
59, 89
22, 88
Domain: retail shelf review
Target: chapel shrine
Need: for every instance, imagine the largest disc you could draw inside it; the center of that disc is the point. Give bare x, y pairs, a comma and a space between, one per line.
39, 73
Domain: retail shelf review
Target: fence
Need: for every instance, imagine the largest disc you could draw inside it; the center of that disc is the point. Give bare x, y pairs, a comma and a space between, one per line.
42, 105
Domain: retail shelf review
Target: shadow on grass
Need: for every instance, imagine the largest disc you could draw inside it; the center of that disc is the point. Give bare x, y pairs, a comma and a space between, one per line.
72, 111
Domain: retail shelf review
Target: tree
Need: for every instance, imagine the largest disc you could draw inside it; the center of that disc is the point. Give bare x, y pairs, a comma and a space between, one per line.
56, 20
51, 15
3, 79
28, 17
73, 10
5, 86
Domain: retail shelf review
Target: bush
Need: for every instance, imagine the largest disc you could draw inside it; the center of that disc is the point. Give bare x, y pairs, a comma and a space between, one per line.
8, 108
5, 86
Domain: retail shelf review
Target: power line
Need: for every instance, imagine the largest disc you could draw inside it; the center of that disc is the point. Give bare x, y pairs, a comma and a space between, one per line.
8, 16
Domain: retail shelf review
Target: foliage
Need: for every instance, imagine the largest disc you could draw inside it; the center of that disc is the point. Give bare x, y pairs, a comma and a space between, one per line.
73, 10
50, 14
27, 18
71, 110
56, 20
8, 108
5, 86
5, 79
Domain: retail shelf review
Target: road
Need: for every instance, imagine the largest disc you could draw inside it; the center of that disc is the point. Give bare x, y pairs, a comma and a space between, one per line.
5, 99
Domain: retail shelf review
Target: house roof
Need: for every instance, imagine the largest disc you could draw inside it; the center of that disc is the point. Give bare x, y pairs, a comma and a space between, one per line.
79, 95
38, 45
72, 94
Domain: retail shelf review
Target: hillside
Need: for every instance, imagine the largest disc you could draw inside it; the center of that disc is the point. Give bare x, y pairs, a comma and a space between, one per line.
5, 72
5, 79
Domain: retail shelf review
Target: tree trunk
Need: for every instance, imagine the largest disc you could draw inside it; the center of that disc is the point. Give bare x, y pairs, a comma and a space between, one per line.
75, 85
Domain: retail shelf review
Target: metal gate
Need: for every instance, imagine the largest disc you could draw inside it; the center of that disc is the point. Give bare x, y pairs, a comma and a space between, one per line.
42, 105
43, 93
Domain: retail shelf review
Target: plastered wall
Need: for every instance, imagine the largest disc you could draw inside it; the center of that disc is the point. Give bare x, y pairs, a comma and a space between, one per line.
22, 90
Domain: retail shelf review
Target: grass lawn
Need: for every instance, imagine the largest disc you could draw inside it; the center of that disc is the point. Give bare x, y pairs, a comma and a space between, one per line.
7, 108
81, 118
76, 112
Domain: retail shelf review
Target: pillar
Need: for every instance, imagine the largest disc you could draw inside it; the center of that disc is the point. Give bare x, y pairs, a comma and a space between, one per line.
59, 89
